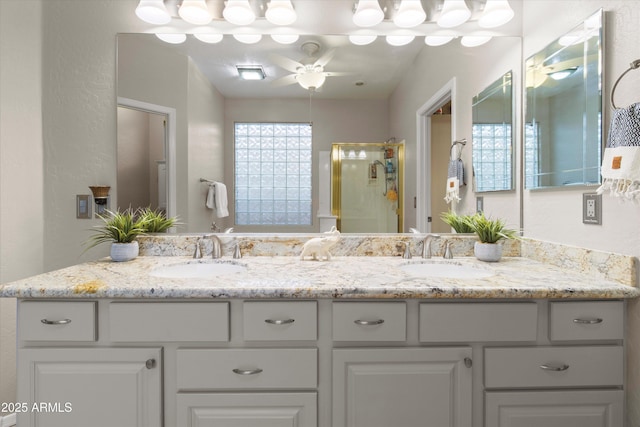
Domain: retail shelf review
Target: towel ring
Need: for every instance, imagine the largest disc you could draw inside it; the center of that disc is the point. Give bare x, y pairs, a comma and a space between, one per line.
634, 65
462, 142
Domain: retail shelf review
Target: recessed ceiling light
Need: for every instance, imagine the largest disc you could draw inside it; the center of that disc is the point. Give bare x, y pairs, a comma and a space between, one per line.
251, 72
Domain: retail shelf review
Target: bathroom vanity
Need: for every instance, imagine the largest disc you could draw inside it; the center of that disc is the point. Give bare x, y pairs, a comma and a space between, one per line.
356, 341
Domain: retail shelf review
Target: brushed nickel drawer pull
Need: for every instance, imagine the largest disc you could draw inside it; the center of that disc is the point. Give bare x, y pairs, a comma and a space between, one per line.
56, 322
555, 368
369, 322
592, 321
247, 371
279, 321
468, 362
150, 363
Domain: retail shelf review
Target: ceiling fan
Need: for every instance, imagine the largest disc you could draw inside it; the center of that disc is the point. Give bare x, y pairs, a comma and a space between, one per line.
309, 72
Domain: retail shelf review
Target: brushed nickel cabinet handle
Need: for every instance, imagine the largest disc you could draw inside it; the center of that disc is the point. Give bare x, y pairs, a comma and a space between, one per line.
369, 322
247, 371
592, 321
468, 362
150, 363
56, 322
555, 368
279, 321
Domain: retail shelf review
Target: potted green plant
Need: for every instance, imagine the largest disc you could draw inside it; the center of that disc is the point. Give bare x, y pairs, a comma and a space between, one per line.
121, 229
155, 221
490, 232
458, 222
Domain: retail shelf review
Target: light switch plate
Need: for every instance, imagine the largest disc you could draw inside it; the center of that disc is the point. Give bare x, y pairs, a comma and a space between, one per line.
479, 204
592, 208
83, 206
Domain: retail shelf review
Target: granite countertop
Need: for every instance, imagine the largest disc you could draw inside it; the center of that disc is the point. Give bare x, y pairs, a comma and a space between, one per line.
343, 277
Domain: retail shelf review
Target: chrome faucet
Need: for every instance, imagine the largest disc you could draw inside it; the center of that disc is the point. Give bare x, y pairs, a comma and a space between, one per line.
407, 250
197, 253
447, 250
216, 250
426, 245
237, 253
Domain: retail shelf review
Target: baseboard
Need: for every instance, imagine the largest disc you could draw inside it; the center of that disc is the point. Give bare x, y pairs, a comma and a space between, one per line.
8, 421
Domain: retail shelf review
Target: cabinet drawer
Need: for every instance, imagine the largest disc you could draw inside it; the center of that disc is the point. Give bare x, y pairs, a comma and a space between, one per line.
478, 322
598, 320
247, 409
369, 321
168, 321
592, 366
566, 408
57, 321
280, 321
211, 369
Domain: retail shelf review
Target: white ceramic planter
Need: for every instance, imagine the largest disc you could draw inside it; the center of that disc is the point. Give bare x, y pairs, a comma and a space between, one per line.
489, 252
124, 251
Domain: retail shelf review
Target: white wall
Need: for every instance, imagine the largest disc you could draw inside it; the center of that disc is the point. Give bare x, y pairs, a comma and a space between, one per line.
333, 121
21, 165
206, 148
557, 215
474, 69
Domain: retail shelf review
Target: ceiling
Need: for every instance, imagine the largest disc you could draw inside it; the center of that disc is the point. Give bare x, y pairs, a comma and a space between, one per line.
378, 67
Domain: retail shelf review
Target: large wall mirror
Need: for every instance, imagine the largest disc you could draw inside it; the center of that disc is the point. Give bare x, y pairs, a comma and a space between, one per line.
563, 119
492, 135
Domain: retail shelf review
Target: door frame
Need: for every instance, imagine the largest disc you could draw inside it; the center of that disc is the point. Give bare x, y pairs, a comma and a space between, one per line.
169, 144
423, 150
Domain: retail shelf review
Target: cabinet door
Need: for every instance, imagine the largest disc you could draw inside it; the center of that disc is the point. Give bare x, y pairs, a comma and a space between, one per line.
602, 408
402, 387
247, 410
97, 387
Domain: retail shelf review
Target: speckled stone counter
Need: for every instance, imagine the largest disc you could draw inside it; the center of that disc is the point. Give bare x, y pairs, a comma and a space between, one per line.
579, 273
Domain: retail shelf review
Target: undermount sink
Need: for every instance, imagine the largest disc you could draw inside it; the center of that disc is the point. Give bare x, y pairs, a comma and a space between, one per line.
448, 270
199, 270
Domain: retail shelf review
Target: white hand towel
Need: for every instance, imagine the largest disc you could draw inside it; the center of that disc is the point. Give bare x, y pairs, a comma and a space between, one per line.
210, 194
621, 172
221, 201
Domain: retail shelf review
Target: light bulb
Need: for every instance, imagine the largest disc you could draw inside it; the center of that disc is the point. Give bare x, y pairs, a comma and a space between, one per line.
281, 12
437, 40
153, 12
496, 13
474, 41
362, 39
368, 13
285, 38
239, 12
195, 12
172, 38
454, 13
399, 40
410, 14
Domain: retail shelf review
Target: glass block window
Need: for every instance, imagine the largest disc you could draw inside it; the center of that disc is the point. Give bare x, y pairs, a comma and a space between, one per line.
273, 173
531, 155
492, 156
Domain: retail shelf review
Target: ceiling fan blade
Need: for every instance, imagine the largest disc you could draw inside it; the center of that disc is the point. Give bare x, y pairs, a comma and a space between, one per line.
324, 59
337, 73
285, 81
286, 63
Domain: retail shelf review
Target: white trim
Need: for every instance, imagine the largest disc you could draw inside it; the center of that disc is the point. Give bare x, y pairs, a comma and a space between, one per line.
170, 145
423, 151
8, 420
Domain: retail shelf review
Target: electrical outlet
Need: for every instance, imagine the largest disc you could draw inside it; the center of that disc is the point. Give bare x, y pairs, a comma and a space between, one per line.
591, 208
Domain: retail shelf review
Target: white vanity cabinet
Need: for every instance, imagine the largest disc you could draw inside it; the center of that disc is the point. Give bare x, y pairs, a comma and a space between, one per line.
320, 363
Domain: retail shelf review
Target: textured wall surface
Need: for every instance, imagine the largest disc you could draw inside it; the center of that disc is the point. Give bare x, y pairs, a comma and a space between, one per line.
557, 215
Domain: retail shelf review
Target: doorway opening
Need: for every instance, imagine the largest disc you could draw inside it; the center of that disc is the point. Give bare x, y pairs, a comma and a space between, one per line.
146, 156
435, 132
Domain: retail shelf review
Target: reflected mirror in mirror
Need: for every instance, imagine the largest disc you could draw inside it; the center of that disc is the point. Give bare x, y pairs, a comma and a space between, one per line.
563, 120
492, 136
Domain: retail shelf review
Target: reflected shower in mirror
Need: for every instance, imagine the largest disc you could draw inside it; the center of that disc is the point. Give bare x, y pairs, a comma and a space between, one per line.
563, 121
492, 136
